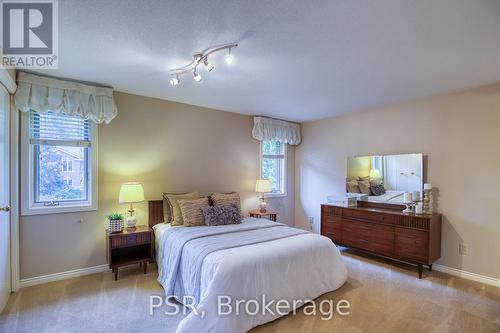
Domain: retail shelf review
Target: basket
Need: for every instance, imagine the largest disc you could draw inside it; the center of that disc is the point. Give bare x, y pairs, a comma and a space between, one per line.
115, 226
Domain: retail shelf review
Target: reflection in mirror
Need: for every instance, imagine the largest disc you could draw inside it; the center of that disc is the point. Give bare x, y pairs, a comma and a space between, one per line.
384, 178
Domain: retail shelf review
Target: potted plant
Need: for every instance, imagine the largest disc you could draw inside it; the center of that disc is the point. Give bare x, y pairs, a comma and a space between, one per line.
115, 222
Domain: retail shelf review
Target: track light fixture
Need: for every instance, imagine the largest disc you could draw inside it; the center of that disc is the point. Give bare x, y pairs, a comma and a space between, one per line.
199, 58
197, 77
208, 65
229, 58
175, 80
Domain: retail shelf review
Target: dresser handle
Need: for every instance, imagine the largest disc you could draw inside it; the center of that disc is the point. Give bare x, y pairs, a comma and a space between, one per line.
131, 239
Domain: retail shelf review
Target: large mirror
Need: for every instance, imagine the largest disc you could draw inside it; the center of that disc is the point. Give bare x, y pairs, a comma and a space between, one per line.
384, 178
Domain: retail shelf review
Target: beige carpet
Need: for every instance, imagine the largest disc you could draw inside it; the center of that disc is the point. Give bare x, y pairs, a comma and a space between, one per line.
384, 296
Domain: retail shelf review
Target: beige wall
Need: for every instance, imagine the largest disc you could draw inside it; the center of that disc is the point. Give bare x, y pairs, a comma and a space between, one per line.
459, 133
167, 146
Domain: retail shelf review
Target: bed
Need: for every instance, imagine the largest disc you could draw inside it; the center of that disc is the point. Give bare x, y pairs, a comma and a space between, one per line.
255, 260
394, 197
390, 196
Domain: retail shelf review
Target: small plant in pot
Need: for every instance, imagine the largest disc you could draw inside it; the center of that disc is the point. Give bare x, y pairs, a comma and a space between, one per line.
115, 222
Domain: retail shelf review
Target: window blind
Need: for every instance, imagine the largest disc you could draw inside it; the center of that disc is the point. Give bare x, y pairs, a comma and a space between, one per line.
59, 130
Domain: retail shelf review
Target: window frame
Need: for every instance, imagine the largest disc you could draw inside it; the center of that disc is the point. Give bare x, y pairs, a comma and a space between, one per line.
285, 170
67, 163
28, 204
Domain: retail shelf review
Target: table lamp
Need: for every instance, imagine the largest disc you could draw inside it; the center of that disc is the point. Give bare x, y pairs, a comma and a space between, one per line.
374, 174
263, 186
131, 193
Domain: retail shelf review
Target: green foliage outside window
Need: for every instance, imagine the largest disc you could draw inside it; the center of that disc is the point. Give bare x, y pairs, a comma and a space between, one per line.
273, 164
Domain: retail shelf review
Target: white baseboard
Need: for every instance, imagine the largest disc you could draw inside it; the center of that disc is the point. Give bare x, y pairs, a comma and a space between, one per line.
467, 275
63, 275
105, 268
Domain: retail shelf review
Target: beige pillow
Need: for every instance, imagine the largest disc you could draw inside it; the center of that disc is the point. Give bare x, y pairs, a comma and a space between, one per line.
192, 213
175, 210
167, 214
220, 199
353, 187
364, 186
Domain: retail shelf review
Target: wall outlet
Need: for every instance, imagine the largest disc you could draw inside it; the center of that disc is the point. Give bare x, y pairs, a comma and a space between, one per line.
462, 249
310, 219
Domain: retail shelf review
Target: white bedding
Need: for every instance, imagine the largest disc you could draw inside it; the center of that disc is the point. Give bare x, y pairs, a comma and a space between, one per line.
301, 267
389, 197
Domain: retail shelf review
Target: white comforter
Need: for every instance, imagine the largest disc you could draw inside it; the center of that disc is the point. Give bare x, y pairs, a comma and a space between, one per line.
301, 267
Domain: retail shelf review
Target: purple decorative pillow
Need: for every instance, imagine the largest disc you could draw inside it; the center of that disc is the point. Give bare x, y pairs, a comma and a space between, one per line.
222, 215
377, 189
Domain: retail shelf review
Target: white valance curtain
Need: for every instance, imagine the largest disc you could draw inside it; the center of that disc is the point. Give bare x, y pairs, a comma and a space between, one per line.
43, 94
274, 129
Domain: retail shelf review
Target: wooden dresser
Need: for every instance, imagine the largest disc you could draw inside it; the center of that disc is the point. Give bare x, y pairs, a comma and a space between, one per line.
386, 231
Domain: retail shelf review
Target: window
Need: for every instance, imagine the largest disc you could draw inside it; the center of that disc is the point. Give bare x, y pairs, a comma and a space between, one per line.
56, 150
273, 165
67, 165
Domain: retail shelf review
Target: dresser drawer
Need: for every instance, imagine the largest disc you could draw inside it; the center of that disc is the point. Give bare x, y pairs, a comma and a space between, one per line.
130, 239
327, 210
355, 233
382, 239
331, 220
412, 244
369, 216
332, 231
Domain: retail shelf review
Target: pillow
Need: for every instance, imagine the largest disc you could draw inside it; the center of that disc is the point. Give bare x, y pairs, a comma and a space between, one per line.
375, 182
222, 215
377, 189
175, 210
353, 187
167, 214
219, 199
191, 210
364, 178
364, 186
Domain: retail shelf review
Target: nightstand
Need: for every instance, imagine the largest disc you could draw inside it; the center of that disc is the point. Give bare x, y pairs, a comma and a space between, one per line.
132, 246
269, 213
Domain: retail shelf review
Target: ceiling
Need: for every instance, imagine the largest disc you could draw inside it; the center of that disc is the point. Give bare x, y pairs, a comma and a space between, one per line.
297, 60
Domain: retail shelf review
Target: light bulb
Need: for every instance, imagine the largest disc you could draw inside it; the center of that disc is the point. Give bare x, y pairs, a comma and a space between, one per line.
229, 58
197, 77
174, 81
208, 65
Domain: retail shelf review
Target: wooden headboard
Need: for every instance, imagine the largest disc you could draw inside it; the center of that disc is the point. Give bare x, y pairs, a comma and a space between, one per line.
155, 212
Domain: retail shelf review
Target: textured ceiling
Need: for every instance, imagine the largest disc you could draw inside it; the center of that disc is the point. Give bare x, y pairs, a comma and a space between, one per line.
297, 60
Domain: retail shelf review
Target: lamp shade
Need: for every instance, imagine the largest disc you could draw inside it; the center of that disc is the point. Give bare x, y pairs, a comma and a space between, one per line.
131, 192
263, 186
374, 173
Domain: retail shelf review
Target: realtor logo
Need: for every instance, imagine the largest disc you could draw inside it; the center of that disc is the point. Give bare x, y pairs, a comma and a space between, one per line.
29, 34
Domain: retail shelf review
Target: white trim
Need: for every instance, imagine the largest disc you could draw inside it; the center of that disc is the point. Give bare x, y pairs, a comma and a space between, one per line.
7, 80
467, 275
27, 205
14, 197
64, 275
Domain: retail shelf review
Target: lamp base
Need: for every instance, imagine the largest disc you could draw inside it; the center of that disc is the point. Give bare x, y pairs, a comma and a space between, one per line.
130, 221
263, 206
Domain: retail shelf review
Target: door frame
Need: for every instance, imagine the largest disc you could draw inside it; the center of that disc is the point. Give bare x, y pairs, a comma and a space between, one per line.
9, 83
